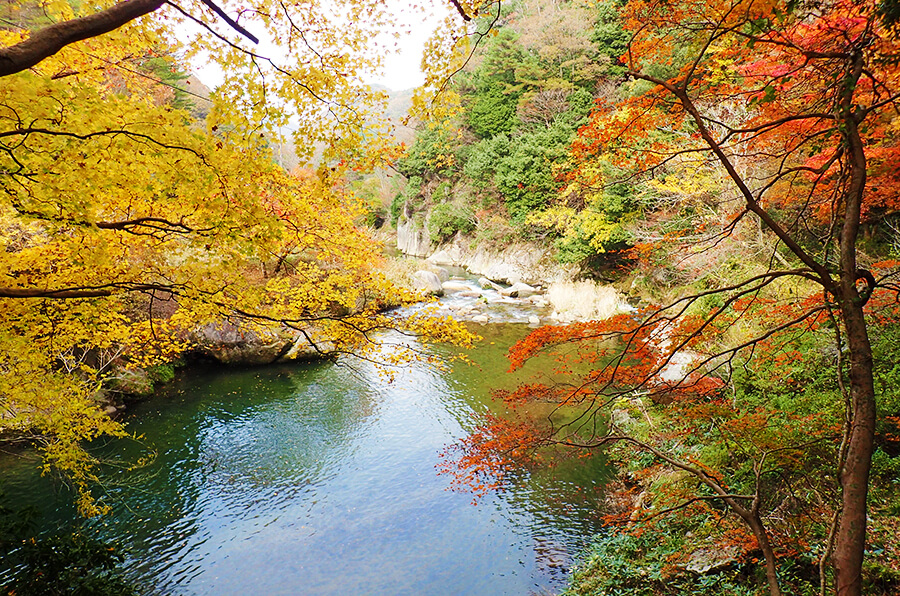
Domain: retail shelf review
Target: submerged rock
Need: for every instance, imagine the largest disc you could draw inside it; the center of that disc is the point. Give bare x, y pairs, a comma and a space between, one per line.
487, 284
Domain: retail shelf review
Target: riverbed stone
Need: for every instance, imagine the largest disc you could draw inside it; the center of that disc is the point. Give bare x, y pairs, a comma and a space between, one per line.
487, 284
441, 257
534, 320
230, 344
480, 319
519, 290
428, 281
451, 287
304, 350
131, 381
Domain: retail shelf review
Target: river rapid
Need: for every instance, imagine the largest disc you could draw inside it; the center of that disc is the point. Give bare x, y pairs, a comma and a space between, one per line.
320, 479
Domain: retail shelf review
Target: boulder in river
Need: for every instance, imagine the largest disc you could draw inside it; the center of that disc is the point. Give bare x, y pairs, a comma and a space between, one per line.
230, 344
487, 284
428, 281
441, 257
451, 287
519, 290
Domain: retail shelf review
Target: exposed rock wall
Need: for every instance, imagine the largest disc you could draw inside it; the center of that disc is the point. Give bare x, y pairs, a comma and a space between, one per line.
518, 262
412, 240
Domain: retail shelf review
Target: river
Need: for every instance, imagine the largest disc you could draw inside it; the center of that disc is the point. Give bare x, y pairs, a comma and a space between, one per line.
320, 479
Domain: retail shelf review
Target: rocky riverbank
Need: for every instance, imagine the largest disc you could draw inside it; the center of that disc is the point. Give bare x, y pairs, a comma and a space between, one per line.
523, 273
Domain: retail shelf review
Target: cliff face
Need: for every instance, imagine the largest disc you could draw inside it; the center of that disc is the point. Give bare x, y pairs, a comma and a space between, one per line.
517, 262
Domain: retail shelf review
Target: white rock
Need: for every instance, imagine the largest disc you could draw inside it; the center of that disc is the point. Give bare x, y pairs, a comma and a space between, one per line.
586, 300
442, 274
412, 240
534, 320
455, 286
519, 290
480, 318
441, 257
487, 284
428, 282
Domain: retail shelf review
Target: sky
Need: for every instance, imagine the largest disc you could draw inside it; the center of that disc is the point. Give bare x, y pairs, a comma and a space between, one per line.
402, 69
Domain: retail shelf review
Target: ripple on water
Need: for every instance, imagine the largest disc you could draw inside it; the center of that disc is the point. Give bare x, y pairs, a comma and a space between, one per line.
316, 480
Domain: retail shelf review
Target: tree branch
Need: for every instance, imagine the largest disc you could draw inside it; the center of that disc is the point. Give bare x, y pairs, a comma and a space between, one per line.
50, 40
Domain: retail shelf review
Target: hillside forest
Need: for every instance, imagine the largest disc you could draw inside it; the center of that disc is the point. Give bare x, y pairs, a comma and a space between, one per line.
729, 166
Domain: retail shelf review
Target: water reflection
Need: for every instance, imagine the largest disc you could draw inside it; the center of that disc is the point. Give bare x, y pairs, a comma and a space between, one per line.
314, 479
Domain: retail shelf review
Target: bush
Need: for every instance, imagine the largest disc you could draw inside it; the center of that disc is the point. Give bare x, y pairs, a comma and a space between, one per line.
64, 563
408, 199
482, 163
446, 219
526, 177
431, 153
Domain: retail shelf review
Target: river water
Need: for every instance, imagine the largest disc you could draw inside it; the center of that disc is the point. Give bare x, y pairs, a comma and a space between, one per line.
320, 479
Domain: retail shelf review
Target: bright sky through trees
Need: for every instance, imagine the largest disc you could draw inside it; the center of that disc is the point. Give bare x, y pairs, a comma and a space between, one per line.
402, 69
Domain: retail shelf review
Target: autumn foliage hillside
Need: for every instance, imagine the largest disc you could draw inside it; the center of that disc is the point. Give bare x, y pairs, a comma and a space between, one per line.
732, 166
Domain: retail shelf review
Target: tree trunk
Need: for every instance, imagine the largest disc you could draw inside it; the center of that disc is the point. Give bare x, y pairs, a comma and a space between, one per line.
762, 538
850, 543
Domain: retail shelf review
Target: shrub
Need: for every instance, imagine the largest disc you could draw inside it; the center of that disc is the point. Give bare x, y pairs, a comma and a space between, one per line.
447, 219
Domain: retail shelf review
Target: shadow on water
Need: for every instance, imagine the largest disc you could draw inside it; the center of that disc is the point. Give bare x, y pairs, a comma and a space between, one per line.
315, 479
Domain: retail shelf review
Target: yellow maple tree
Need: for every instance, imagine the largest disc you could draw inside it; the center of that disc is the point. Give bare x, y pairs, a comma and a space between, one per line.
125, 224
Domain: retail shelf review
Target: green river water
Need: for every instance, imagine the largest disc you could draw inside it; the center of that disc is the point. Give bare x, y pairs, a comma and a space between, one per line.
320, 479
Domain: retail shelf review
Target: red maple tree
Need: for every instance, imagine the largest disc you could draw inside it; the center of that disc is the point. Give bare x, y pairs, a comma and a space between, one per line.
794, 107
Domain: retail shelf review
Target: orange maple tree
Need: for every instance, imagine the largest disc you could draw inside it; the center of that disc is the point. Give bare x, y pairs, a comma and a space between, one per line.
793, 107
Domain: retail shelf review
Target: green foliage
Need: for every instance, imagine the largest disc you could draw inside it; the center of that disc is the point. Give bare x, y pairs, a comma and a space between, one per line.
623, 563
170, 74
407, 199
431, 153
482, 163
526, 177
493, 89
611, 39
68, 562
441, 192
581, 102
492, 113
446, 219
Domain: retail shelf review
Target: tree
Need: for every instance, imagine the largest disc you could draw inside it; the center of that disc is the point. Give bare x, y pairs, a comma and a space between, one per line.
126, 225
792, 108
